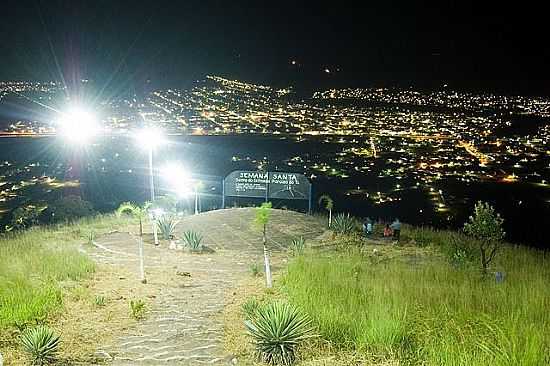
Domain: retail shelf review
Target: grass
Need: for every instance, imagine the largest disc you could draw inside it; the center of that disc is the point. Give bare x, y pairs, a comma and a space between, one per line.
427, 312
35, 263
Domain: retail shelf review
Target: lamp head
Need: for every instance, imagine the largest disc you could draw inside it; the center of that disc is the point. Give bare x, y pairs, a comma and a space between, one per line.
77, 125
149, 138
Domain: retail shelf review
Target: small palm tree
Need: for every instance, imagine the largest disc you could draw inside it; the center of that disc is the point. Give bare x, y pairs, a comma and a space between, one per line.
262, 218
326, 201
139, 212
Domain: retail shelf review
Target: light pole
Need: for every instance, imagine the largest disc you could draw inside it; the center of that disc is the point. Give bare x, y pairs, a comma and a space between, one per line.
151, 179
76, 126
180, 182
150, 138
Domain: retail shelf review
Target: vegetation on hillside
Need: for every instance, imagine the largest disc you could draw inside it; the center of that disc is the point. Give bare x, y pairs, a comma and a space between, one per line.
35, 265
433, 299
433, 307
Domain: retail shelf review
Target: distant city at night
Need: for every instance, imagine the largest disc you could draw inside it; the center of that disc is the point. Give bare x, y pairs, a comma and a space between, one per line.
274, 183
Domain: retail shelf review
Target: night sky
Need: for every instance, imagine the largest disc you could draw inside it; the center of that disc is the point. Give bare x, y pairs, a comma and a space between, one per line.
121, 44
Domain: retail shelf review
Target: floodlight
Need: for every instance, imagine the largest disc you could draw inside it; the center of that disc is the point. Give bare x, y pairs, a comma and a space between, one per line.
77, 125
178, 179
149, 137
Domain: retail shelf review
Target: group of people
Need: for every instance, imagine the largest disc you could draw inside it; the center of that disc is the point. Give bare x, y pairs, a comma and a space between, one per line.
392, 230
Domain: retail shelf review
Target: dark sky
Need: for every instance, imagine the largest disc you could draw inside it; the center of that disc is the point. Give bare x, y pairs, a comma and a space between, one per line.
373, 43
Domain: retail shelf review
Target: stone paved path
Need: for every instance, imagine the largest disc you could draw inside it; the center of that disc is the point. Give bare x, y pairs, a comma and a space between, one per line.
183, 325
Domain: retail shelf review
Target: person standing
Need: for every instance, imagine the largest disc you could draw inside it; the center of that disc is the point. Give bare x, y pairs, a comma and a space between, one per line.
396, 226
368, 226
387, 231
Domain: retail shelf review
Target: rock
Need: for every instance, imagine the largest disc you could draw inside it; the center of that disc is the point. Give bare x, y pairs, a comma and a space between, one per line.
182, 273
1, 360
103, 355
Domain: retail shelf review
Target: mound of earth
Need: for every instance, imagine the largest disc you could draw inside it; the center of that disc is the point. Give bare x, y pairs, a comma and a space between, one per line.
183, 325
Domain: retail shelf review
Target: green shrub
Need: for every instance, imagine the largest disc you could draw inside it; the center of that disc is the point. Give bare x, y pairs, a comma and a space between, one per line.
250, 307
422, 236
91, 238
298, 246
166, 203
277, 330
137, 309
41, 344
486, 227
167, 226
67, 209
344, 224
460, 250
24, 217
192, 240
99, 300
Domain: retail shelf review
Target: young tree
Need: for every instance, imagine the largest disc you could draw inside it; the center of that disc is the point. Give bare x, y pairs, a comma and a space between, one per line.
486, 227
140, 213
262, 218
328, 203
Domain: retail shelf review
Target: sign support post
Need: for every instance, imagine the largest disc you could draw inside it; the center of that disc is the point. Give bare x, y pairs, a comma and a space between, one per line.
309, 200
267, 188
223, 193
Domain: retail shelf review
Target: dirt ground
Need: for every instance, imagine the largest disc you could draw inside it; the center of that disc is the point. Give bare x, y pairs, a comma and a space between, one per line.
185, 294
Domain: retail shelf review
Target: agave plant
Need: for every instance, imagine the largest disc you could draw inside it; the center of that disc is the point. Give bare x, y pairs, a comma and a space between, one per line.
41, 344
167, 226
277, 330
250, 307
137, 309
192, 240
298, 245
344, 224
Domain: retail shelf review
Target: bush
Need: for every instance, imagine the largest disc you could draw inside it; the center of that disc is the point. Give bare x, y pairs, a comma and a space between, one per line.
277, 329
67, 209
167, 226
167, 203
298, 246
41, 344
344, 224
250, 308
100, 300
24, 217
192, 240
137, 309
486, 227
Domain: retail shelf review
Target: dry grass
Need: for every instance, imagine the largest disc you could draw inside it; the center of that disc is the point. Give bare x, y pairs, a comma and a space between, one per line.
83, 325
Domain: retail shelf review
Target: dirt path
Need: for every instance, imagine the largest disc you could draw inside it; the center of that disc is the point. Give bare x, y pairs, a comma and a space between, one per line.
183, 324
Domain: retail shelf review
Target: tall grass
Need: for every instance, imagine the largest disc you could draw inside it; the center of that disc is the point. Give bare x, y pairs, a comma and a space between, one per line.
431, 313
34, 263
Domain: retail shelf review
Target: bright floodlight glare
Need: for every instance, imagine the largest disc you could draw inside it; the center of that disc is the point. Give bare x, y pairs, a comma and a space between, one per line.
178, 179
78, 125
149, 137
